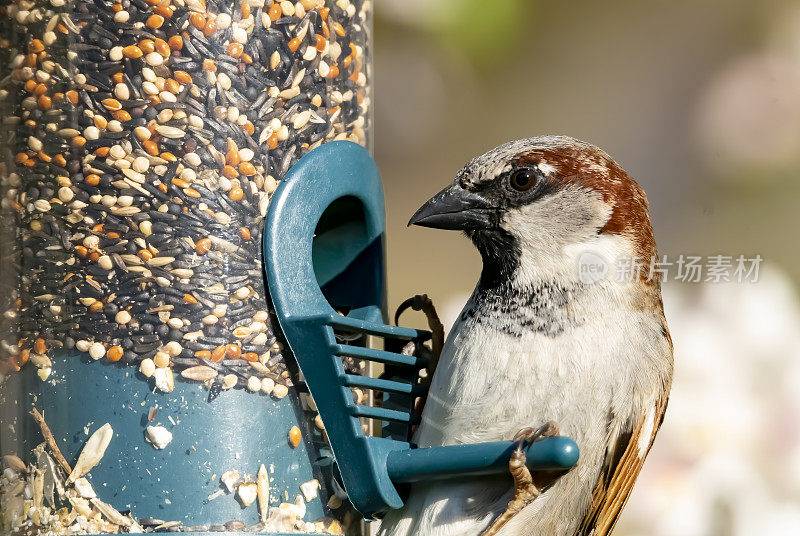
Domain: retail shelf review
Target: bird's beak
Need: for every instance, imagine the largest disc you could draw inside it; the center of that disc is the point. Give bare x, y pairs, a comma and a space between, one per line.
454, 208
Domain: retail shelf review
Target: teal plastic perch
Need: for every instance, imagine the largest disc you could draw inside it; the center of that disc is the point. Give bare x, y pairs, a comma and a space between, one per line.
479, 459
323, 257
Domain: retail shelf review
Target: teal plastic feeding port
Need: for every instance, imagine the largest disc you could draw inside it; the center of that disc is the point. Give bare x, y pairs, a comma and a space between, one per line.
323, 255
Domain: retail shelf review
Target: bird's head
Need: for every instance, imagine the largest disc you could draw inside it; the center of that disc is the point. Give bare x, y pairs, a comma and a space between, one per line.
532, 206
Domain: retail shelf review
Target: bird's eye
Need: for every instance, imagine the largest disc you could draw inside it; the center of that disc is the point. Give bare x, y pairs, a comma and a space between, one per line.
523, 179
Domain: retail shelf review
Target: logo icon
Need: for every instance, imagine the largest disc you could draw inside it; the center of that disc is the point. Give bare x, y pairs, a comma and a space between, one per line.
592, 267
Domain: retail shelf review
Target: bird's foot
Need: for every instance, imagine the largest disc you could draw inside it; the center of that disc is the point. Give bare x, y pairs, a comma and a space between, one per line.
421, 302
525, 491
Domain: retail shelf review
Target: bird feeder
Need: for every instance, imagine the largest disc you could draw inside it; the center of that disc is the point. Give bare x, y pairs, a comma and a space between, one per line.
153, 154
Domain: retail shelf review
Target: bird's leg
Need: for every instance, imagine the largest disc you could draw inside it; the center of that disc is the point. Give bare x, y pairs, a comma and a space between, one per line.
525, 491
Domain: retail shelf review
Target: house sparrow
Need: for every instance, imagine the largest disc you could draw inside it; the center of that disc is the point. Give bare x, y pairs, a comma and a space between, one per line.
541, 339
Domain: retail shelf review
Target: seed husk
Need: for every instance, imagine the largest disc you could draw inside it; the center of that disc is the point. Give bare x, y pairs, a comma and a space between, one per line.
263, 493
199, 373
92, 452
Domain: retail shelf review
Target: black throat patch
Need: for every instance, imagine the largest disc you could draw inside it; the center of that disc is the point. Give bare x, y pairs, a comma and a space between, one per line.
510, 309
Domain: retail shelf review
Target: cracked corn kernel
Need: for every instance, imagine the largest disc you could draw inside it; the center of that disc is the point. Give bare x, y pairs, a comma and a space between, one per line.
114, 354
294, 436
203, 246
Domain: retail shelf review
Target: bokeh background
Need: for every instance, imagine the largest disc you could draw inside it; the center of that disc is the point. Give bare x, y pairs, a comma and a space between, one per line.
700, 101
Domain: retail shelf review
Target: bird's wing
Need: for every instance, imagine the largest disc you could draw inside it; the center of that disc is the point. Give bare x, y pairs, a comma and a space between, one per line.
624, 459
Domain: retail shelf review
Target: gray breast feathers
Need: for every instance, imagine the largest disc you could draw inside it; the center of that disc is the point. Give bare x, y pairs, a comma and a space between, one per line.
542, 308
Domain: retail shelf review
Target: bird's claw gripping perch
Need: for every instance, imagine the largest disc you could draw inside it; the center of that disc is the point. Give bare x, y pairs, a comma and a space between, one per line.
421, 302
525, 491
527, 436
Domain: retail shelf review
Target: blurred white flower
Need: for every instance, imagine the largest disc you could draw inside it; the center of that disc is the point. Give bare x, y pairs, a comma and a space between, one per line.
727, 460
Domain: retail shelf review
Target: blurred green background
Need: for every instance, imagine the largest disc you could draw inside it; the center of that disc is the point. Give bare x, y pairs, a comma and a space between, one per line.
700, 102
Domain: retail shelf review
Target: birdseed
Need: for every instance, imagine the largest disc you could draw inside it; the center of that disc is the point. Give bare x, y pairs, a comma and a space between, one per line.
142, 141
145, 142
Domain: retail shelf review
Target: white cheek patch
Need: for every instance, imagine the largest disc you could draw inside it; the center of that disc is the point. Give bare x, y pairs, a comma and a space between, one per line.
603, 258
611, 248
554, 231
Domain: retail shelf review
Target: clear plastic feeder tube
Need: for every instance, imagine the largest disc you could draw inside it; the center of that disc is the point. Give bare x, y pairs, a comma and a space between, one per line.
144, 387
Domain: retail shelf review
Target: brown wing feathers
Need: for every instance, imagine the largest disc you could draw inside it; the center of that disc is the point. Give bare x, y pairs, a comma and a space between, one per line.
616, 482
